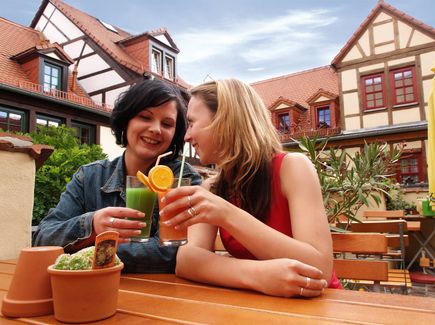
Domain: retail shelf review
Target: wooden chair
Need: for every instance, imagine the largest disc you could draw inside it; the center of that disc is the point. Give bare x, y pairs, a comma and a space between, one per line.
348, 266
397, 240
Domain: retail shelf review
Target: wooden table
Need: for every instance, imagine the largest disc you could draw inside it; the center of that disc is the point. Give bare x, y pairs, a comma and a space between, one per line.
166, 299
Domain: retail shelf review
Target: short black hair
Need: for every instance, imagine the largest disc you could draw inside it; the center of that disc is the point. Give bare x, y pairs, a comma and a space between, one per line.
144, 94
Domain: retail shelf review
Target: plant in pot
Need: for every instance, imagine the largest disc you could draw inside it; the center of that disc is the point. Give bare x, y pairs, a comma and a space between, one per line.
349, 181
85, 284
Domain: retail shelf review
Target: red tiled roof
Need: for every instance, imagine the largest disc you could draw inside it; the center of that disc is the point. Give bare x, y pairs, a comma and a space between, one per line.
20, 40
297, 87
381, 5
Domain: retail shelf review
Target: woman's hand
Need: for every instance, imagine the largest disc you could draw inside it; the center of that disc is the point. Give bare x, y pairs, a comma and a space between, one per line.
195, 204
114, 218
287, 278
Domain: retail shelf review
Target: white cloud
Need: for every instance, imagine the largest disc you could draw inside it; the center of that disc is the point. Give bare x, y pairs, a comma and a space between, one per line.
271, 38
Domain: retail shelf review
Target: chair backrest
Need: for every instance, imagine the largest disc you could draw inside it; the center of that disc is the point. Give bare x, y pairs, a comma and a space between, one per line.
384, 214
395, 231
347, 266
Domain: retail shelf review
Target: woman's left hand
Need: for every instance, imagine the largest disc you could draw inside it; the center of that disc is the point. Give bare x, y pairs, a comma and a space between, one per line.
194, 204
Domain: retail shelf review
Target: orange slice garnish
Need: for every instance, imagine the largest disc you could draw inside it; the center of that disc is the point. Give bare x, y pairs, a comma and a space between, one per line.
145, 180
161, 177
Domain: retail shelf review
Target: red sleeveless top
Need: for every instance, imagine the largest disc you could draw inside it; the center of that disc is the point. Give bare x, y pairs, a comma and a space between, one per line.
278, 218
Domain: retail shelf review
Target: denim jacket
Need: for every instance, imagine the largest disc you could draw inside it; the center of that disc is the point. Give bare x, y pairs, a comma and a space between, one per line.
95, 186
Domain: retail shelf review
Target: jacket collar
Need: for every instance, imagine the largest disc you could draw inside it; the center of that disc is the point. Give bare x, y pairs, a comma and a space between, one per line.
116, 181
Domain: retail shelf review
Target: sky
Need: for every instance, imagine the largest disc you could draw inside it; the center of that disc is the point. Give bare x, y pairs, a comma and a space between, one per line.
251, 40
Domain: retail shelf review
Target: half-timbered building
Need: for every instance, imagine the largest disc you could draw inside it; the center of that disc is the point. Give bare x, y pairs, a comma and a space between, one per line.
107, 59
38, 88
376, 89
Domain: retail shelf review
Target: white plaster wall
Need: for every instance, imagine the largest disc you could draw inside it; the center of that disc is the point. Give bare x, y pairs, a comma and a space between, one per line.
100, 81
321, 99
53, 34
353, 54
384, 48
350, 103
427, 86
372, 67
352, 123
108, 143
406, 115
112, 95
91, 64
404, 33
427, 63
68, 28
374, 120
17, 175
365, 42
419, 38
409, 59
348, 80
382, 17
383, 33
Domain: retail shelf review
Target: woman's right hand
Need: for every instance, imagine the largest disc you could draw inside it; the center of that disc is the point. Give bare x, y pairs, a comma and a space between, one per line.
286, 278
115, 219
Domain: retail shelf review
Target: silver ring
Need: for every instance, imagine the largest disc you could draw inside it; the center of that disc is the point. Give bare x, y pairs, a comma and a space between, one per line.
189, 199
111, 220
308, 282
301, 292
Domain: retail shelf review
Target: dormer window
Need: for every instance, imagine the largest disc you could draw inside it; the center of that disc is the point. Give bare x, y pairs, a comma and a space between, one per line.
169, 67
156, 61
52, 77
323, 117
284, 122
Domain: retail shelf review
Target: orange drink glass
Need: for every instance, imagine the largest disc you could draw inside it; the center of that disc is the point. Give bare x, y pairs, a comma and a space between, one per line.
169, 236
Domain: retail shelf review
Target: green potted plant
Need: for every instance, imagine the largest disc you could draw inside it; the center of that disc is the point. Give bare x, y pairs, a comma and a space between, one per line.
348, 181
82, 292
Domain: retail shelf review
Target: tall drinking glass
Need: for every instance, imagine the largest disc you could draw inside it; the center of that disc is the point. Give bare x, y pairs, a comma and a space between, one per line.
141, 198
169, 236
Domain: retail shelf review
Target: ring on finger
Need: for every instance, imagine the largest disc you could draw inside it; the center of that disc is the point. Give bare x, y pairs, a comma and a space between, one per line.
301, 292
189, 211
308, 282
111, 220
189, 199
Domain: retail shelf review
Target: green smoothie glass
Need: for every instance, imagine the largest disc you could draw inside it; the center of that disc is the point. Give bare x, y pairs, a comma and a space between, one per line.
141, 198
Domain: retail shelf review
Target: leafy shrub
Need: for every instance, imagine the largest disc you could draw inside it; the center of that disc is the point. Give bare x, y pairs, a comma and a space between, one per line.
348, 181
57, 171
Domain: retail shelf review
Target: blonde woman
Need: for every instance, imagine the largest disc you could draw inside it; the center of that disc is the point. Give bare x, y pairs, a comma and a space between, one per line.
266, 204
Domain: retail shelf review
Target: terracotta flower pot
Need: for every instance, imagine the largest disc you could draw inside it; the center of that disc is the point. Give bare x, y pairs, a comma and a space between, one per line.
81, 296
30, 290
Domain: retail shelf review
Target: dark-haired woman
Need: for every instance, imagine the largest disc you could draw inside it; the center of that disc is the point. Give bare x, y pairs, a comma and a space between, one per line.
148, 120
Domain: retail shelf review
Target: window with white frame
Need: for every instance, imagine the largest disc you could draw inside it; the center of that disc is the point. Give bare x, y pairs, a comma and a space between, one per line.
169, 67
156, 61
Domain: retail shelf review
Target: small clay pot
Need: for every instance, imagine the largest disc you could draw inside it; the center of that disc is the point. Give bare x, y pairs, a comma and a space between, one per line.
82, 296
30, 290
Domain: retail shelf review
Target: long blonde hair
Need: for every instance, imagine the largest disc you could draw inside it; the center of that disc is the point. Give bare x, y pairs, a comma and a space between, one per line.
246, 141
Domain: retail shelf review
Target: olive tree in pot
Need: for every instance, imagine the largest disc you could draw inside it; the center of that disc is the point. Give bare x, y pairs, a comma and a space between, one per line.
349, 181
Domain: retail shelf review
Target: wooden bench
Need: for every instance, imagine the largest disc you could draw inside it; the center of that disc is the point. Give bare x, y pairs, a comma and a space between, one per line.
373, 270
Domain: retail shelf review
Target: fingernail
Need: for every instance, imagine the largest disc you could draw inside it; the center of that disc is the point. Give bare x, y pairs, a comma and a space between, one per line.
163, 200
325, 283
137, 232
141, 214
142, 224
161, 213
167, 223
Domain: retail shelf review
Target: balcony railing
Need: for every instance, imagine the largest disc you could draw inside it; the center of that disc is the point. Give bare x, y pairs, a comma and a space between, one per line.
54, 93
323, 132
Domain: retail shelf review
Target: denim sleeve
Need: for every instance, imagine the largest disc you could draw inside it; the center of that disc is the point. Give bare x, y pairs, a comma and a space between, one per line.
68, 223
